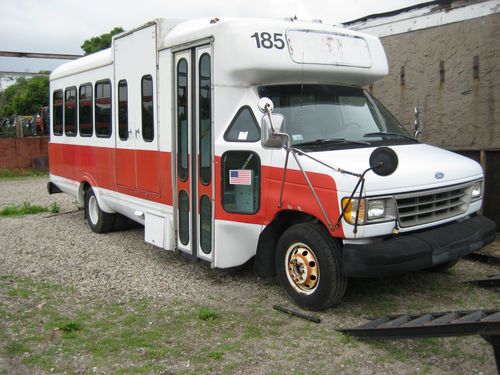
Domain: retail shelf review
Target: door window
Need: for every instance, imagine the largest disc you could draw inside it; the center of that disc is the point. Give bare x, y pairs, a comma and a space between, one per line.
183, 217
182, 120
123, 110
205, 119
205, 224
241, 182
148, 133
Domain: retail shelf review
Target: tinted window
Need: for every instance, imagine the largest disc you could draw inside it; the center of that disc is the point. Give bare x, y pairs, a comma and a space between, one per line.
147, 108
243, 128
85, 113
182, 120
123, 110
103, 108
183, 217
70, 111
205, 119
241, 182
206, 224
57, 112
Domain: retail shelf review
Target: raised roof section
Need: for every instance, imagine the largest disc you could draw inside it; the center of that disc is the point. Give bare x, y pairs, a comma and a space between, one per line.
256, 51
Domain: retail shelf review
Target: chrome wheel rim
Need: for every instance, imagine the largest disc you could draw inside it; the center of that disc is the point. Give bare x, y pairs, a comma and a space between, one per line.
301, 268
93, 210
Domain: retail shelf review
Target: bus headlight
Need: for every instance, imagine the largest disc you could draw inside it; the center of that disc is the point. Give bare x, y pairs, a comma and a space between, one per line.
476, 190
370, 210
376, 209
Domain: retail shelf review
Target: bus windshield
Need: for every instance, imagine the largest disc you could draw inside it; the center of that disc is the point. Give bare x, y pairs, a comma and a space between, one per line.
315, 114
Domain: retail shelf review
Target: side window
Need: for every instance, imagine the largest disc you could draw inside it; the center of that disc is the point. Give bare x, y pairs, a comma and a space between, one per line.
70, 111
182, 120
57, 112
148, 133
241, 182
243, 128
123, 110
103, 109
85, 112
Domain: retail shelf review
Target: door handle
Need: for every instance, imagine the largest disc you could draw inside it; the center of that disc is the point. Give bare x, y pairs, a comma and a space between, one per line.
137, 131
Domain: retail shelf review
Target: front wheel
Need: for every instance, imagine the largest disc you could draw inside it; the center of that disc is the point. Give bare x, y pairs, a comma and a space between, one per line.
308, 265
99, 221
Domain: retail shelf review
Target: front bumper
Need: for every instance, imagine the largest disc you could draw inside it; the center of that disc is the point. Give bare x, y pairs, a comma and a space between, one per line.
415, 251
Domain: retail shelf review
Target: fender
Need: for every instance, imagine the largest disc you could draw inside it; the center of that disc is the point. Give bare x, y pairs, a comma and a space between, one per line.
89, 182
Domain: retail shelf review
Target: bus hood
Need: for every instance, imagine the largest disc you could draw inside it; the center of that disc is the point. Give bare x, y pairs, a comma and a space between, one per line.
420, 167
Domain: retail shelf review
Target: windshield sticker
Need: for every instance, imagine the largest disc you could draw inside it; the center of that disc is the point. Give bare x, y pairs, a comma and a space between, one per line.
297, 137
242, 136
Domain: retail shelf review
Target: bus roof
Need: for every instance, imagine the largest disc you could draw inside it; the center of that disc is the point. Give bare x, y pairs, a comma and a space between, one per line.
256, 51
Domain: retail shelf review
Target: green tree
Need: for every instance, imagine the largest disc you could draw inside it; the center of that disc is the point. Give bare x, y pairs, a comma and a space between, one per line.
98, 43
25, 96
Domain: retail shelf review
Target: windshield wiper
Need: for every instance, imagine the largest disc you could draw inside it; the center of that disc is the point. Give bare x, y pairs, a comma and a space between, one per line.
327, 141
389, 134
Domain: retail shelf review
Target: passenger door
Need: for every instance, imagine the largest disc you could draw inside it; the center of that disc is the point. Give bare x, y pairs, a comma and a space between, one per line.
137, 158
194, 151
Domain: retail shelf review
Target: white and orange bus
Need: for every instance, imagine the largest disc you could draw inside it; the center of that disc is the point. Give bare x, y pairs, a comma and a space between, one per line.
165, 128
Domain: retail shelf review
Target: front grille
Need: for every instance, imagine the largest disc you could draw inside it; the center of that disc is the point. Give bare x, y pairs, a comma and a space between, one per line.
427, 206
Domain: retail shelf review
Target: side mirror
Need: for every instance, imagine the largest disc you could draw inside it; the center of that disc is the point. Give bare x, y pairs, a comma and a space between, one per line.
271, 125
417, 129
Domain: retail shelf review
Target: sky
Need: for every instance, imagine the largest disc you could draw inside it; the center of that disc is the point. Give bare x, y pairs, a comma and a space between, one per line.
61, 26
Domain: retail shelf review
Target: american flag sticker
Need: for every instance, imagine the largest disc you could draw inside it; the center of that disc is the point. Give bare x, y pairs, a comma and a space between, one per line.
240, 177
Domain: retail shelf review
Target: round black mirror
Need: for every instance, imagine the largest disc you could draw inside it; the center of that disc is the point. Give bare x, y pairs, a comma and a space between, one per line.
383, 161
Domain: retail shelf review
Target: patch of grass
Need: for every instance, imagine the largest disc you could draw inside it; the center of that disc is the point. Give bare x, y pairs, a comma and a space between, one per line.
54, 208
9, 174
70, 326
15, 348
252, 332
216, 355
206, 313
27, 209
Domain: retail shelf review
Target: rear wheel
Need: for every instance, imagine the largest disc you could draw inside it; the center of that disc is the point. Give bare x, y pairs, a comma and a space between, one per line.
99, 221
308, 265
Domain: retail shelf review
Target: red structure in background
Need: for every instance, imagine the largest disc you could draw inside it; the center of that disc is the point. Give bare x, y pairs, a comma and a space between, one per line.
24, 153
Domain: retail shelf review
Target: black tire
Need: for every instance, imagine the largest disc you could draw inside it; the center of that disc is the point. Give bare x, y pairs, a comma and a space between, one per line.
444, 267
99, 221
303, 250
123, 223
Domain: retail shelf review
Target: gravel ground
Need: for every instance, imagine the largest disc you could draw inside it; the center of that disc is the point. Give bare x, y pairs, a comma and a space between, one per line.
117, 265
120, 265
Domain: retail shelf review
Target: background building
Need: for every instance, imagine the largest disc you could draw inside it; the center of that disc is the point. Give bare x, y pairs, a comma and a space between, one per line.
444, 57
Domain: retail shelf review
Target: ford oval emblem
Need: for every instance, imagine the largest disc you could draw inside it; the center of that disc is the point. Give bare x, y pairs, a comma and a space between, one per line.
439, 175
